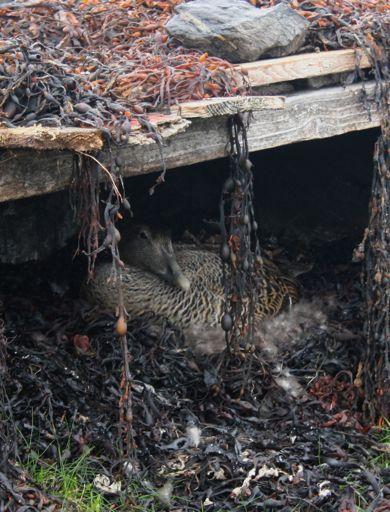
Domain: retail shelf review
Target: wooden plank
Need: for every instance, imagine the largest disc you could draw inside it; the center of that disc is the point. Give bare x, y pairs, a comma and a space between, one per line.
42, 138
89, 139
258, 73
306, 65
306, 116
227, 106
79, 139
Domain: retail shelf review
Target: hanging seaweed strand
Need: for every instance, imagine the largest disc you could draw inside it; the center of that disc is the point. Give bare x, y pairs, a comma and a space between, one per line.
98, 233
376, 242
240, 250
85, 197
377, 284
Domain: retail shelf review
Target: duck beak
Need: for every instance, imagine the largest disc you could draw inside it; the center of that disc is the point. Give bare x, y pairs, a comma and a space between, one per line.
181, 282
175, 275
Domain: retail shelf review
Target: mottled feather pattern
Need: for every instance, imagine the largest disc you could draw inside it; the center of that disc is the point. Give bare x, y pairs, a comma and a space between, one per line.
145, 292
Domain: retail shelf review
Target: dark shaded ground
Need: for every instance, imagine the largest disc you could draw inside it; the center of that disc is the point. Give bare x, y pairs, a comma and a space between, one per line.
230, 438
256, 449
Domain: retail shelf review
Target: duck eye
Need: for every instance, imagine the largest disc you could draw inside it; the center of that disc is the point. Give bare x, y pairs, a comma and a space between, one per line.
143, 235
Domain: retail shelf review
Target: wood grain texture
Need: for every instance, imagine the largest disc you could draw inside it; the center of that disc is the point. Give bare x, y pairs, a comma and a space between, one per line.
306, 65
215, 107
306, 116
41, 138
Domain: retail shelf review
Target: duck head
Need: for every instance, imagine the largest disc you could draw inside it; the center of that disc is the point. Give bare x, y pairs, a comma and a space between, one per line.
151, 249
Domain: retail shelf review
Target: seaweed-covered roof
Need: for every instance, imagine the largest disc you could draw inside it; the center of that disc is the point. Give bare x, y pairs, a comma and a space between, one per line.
92, 63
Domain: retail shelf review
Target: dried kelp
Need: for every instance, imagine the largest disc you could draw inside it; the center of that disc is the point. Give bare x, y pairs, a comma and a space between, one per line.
375, 248
98, 64
334, 24
106, 64
240, 250
218, 443
98, 233
377, 281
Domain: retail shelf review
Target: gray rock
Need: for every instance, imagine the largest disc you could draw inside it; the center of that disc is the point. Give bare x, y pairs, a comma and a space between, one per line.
236, 30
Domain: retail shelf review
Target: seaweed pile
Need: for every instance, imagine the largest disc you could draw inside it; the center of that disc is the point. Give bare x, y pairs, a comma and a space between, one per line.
106, 64
99, 64
193, 426
336, 24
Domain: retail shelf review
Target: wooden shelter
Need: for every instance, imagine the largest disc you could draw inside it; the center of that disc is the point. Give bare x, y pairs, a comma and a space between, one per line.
38, 160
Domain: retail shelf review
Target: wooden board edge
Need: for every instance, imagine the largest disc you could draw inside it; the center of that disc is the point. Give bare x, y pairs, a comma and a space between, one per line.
306, 65
216, 107
44, 138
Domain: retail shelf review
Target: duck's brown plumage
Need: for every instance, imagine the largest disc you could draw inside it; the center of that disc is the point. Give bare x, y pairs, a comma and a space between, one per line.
145, 292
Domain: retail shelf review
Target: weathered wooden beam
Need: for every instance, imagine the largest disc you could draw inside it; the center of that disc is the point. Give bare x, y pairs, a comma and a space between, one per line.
42, 138
306, 116
227, 106
79, 139
257, 73
90, 139
306, 65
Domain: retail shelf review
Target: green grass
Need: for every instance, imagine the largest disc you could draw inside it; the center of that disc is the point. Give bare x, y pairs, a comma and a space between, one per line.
72, 482
383, 460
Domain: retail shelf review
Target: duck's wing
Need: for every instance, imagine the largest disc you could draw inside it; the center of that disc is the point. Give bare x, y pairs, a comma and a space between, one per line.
276, 290
141, 290
145, 293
